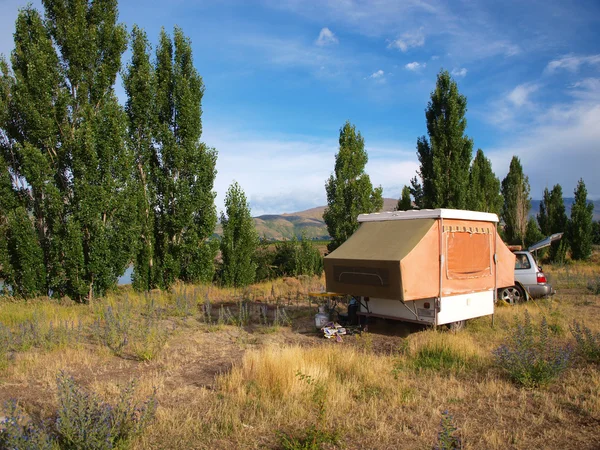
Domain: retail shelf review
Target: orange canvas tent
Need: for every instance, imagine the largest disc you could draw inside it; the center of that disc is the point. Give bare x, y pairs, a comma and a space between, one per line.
407, 256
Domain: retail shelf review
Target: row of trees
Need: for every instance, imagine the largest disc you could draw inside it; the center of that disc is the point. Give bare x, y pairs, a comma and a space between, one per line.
88, 186
449, 177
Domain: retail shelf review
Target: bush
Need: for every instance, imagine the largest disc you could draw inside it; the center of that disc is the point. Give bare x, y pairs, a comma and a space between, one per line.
594, 286
17, 434
294, 257
112, 328
85, 422
530, 357
447, 437
148, 339
35, 333
588, 343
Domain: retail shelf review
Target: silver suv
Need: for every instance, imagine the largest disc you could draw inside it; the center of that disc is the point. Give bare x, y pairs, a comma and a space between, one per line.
530, 281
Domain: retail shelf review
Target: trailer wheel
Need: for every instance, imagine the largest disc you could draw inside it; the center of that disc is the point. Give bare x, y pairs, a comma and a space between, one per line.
457, 326
512, 295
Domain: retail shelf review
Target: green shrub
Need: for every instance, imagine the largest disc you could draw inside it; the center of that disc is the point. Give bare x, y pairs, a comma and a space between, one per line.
594, 286
148, 339
113, 328
588, 343
18, 434
448, 438
85, 422
531, 358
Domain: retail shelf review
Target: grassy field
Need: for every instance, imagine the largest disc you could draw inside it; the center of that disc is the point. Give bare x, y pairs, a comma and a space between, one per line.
225, 375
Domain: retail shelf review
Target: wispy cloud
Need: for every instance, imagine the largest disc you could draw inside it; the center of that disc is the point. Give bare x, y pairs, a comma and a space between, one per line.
415, 66
459, 72
572, 63
408, 40
378, 76
565, 133
326, 37
519, 96
297, 166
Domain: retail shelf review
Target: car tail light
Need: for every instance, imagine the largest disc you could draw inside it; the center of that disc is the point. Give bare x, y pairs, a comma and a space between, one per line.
541, 278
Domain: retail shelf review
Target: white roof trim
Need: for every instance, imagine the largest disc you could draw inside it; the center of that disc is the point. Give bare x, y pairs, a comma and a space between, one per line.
429, 214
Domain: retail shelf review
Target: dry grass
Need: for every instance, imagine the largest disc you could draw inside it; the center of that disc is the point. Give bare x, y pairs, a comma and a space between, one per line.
232, 387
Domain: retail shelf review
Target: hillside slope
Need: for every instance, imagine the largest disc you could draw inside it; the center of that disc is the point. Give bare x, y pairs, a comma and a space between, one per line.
310, 222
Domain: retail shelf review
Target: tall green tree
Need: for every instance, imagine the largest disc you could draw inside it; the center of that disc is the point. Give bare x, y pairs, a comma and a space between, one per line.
580, 225
552, 218
596, 233
349, 189
404, 202
185, 211
533, 233
139, 83
240, 239
484, 187
445, 157
517, 202
66, 137
28, 273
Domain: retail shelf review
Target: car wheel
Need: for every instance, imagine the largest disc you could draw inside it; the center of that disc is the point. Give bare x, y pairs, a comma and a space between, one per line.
457, 326
512, 295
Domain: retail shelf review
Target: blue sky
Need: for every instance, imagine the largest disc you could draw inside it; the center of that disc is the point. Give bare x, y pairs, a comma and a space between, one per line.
282, 76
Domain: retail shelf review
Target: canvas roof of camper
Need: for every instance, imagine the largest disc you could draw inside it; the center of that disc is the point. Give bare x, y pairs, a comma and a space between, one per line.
396, 255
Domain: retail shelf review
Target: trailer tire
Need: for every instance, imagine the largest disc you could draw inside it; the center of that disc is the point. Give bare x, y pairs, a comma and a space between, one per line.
457, 326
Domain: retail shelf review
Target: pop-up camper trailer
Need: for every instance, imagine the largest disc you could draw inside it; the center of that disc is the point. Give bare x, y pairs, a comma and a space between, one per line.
439, 266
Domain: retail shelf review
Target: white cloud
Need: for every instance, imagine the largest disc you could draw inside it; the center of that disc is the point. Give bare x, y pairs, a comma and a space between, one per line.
378, 76
572, 63
560, 143
408, 40
519, 96
459, 72
326, 37
287, 173
415, 66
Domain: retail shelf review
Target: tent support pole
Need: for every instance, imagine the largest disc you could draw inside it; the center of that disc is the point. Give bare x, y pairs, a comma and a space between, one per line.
441, 233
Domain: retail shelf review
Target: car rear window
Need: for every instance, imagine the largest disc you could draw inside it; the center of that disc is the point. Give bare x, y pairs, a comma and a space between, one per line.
522, 262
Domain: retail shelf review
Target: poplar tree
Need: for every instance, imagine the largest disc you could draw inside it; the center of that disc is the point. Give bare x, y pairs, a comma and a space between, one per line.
404, 202
552, 218
349, 189
66, 135
484, 187
139, 83
517, 202
239, 241
580, 231
445, 157
185, 211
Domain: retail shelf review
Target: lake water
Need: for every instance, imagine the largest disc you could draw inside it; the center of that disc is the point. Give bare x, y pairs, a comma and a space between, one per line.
124, 279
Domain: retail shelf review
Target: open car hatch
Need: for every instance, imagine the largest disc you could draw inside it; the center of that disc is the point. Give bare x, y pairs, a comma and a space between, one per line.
545, 242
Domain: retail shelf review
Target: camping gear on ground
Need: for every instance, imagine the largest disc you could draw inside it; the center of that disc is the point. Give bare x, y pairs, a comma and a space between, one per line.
333, 330
436, 267
322, 317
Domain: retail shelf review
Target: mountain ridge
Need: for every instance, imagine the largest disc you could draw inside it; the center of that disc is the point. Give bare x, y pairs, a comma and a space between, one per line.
276, 227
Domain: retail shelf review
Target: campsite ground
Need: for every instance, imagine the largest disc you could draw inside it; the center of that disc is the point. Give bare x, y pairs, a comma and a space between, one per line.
227, 377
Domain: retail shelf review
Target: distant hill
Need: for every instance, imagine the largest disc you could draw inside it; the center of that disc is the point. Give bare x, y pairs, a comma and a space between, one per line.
535, 207
310, 222
284, 226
